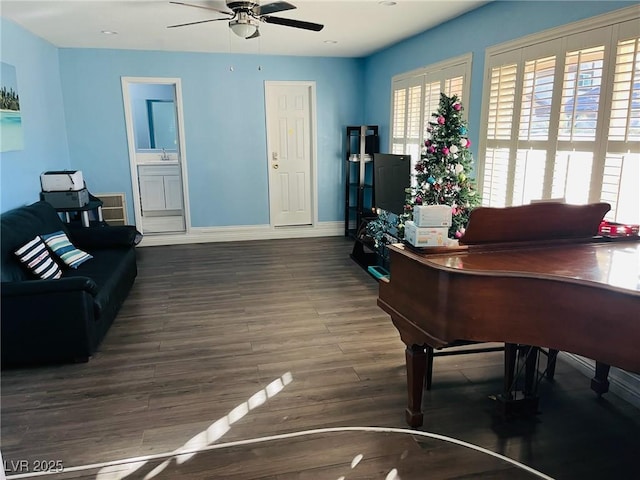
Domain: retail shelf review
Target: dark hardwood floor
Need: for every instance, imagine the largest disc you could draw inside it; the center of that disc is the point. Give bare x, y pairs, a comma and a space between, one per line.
228, 342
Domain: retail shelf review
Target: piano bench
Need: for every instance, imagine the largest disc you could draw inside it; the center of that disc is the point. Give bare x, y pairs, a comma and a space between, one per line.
551, 355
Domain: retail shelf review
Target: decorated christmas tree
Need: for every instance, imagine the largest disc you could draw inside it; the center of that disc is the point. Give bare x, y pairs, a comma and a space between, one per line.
443, 174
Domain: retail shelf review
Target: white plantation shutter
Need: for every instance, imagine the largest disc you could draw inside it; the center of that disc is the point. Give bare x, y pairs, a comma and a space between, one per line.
561, 120
533, 129
416, 95
399, 115
528, 177
581, 90
431, 103
621, 176
499, 131
625, 106
502, 102
455, 86
537, 93
406, 115
414, 121
413, 115
494, 184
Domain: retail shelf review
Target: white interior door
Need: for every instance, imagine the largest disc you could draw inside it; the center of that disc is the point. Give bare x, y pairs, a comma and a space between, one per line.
290, 143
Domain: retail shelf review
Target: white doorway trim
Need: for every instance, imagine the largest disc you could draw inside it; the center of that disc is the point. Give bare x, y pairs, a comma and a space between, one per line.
182, 152
313, 144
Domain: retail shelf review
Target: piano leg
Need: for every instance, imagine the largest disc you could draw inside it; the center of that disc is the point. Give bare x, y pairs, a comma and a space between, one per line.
552, 356
600, 383
530, 371
416, 360
510, 355
429, 374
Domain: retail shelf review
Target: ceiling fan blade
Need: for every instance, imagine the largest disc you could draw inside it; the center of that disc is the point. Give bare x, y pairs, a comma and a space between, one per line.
202, 6
195, 23
274, 7
289, 22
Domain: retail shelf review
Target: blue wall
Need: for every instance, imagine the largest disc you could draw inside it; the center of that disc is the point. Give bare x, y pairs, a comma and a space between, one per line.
43, 126
489, 25
224, 113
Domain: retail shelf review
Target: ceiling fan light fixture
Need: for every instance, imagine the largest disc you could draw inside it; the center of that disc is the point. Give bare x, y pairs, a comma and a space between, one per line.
243, 26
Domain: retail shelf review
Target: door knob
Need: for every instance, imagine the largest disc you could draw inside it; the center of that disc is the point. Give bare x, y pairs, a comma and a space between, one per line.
275, 165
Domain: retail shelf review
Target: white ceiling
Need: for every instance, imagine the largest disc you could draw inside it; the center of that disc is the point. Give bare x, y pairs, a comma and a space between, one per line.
360, 27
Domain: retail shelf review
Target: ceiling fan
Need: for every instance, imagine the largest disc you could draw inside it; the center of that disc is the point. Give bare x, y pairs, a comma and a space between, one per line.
244, 17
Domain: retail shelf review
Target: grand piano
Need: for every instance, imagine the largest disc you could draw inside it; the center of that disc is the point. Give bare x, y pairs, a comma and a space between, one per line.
535, 275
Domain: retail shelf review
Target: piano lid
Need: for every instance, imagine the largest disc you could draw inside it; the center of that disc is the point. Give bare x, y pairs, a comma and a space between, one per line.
607, 264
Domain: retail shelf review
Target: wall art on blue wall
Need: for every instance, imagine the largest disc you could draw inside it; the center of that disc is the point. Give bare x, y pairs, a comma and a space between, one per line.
10, 117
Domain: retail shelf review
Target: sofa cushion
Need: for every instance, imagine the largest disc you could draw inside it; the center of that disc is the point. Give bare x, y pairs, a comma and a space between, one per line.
20, 226
60, 245
35, 256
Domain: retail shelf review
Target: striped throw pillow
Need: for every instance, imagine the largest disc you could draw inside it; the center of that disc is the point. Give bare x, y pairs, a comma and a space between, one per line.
59, 244
35, 256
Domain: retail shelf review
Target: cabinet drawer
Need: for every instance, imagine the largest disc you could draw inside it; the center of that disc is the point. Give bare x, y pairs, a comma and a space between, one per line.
144, 170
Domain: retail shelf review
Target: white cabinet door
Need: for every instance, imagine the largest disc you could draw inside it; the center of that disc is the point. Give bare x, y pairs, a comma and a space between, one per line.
172, 192
152, 192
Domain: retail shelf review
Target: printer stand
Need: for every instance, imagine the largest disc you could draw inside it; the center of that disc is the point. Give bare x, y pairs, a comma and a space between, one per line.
84, 212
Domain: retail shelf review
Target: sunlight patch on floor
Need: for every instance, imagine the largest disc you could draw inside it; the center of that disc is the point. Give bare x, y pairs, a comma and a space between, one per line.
211, 434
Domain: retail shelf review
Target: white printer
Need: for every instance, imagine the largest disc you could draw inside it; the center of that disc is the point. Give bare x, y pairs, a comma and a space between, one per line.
61, 180
64, 189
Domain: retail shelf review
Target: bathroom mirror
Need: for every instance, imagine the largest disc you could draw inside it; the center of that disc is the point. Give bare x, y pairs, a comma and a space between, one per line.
162, 124
154, 117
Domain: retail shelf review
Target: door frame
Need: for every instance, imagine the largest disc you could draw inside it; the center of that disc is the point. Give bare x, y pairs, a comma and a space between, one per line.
182, 155
313, 184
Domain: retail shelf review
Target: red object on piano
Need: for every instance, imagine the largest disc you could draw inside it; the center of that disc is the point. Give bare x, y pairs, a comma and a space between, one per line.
613, 229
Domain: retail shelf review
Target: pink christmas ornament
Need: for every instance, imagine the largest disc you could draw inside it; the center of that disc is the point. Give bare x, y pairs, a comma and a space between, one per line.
445, 151
441, 120
457, 107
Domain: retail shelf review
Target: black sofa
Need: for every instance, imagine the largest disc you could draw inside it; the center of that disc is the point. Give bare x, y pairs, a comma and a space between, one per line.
61, 320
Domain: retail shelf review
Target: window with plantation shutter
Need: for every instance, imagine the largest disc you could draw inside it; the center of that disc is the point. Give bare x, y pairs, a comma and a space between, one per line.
416, 95
561, 118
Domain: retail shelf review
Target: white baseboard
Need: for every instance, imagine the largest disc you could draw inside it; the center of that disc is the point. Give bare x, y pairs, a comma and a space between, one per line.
238, 233
621, 383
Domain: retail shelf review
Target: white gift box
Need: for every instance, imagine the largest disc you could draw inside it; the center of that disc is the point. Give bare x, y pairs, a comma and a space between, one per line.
432, 215
425, 236
61, 181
